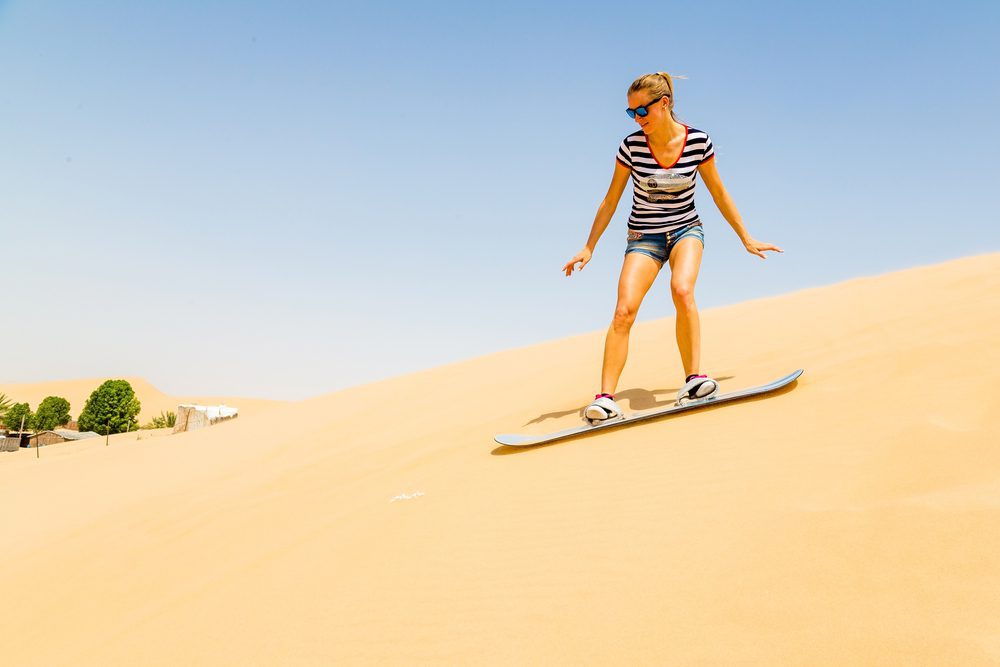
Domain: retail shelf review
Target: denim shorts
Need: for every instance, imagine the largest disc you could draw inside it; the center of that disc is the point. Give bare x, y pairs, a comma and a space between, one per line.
659, 244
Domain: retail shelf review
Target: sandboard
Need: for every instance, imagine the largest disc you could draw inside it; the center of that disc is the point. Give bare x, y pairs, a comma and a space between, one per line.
515, 440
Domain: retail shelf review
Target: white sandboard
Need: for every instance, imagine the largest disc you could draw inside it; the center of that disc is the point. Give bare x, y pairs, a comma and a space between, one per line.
514, 440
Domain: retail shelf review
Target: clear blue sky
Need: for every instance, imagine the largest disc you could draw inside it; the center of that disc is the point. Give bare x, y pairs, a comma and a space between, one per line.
285, 199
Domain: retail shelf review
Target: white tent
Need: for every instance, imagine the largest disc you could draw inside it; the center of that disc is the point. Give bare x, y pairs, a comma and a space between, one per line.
191, 416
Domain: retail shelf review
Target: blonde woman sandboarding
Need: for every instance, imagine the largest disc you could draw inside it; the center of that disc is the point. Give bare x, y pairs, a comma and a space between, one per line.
661, 158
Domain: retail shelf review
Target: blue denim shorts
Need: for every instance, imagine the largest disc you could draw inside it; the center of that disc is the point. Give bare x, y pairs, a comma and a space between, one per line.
659, 244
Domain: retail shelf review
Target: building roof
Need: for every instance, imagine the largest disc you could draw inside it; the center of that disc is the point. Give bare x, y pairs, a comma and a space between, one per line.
72, 435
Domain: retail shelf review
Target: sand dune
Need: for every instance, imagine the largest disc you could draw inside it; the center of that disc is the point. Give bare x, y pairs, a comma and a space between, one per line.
854, 519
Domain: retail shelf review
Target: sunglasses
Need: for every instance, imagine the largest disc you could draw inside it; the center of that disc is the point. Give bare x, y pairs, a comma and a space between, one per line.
643, 110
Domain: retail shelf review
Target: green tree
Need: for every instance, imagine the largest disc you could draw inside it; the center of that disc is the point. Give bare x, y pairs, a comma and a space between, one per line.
112, 408
4, 405
12, 418
165, 420
52, 412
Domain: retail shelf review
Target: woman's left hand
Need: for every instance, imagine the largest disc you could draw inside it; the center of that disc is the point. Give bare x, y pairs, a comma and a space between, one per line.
758, 247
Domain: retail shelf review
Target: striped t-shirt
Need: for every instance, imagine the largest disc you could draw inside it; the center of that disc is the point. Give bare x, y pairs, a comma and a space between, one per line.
663, 195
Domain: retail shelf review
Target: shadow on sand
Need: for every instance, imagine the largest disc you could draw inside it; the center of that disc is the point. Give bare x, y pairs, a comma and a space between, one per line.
638, 400
506, 450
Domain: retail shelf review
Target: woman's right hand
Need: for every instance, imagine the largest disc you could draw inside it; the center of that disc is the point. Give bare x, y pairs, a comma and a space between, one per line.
582, 258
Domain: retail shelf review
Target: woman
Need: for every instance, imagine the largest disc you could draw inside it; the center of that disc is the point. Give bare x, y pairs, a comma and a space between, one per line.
661, 158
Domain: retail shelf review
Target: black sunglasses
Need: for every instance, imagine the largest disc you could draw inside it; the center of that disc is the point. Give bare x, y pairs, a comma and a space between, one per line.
644, 109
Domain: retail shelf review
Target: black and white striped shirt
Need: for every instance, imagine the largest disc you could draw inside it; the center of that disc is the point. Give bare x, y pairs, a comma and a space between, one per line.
663, 195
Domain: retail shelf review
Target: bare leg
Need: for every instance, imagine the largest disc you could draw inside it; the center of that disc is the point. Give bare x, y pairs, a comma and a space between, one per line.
685, 260
638, 273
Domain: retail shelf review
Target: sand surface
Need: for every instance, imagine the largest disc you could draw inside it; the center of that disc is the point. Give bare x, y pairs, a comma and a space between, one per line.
851, 520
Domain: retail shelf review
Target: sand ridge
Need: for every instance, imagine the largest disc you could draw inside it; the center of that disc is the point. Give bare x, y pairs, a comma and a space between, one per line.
852, 520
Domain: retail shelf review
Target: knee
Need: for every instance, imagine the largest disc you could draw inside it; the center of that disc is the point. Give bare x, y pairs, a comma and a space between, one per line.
624, 318
683, 294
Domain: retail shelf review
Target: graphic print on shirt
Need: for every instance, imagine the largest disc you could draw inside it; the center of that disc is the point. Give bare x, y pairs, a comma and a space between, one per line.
663, 195
663, 185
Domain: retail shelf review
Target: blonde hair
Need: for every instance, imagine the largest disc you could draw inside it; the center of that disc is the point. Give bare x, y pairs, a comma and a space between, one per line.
659, 84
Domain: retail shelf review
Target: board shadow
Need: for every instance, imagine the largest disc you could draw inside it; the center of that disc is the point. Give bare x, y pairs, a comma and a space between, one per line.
507, 450
639, 400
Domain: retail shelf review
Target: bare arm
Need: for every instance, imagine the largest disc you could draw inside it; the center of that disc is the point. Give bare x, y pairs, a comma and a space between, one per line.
710, 176
603, 218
